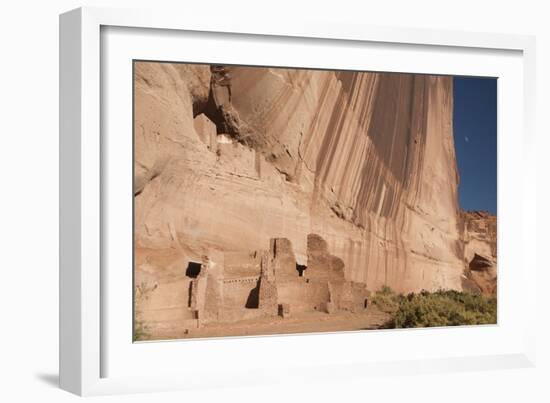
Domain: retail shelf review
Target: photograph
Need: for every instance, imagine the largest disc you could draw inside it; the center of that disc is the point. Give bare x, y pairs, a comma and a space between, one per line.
273, 200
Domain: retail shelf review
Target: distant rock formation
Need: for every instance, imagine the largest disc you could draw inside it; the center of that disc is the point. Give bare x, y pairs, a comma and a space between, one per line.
229, 158
480, 252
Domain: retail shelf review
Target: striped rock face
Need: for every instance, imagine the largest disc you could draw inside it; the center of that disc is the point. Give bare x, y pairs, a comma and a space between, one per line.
227, 158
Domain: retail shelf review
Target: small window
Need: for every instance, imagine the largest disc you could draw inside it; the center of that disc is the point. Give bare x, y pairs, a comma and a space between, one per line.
193, 269
301, 268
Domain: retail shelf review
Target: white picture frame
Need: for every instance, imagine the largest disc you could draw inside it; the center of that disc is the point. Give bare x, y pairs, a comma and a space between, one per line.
86, 347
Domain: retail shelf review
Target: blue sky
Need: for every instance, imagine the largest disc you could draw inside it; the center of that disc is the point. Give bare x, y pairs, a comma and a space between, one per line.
475, 133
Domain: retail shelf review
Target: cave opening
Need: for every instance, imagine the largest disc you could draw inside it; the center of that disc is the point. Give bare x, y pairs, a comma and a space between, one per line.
479, 263
193, 269
300, 268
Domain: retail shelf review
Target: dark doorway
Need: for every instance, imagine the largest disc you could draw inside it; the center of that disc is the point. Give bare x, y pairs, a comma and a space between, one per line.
193, 269
301, 268
253, 300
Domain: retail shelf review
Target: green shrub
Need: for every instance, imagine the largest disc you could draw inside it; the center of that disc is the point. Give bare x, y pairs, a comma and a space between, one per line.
142, 293
440, 308
444, 308
386, 300
141, 331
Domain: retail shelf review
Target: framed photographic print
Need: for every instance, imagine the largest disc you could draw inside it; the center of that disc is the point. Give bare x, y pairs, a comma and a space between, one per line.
244, 202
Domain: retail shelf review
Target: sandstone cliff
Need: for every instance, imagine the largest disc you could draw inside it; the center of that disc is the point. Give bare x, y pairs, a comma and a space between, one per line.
227, 158
479, 232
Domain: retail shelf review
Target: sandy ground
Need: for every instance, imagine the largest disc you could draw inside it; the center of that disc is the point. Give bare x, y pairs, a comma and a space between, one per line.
311, 322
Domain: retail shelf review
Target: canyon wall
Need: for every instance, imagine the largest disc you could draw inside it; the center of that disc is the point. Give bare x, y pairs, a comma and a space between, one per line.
227, 158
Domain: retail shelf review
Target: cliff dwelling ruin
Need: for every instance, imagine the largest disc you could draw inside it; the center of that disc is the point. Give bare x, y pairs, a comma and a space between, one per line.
266, 283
